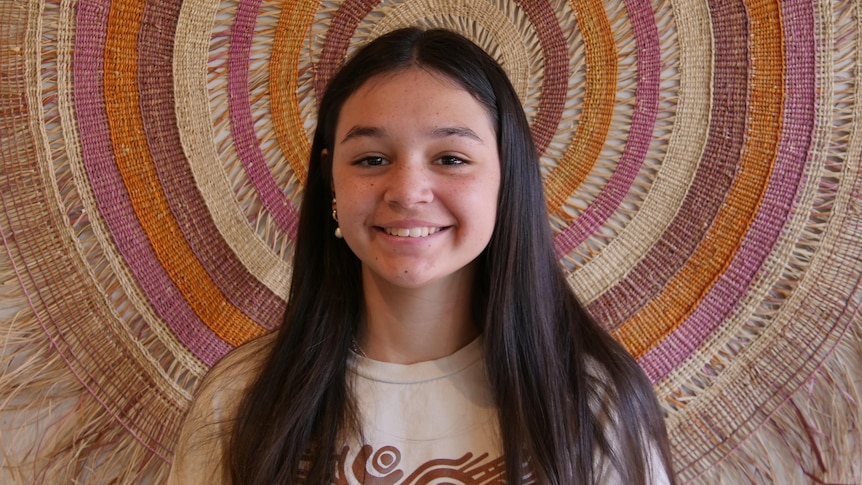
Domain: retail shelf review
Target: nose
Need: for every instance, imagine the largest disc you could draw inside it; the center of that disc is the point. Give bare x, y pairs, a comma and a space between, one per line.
408, 184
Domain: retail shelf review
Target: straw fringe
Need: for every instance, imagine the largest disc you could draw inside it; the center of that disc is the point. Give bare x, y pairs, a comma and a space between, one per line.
54, 431
815, 437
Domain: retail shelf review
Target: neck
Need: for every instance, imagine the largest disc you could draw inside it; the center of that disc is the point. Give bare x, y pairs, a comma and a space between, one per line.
409, 325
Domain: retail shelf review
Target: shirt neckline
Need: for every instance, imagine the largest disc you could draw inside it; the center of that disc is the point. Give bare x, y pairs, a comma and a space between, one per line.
389, 372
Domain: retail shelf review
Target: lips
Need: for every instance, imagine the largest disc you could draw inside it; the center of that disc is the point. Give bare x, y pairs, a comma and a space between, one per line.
412, 231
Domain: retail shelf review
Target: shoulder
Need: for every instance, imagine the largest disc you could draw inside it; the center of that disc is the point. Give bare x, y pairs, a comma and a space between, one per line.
205, 434
227, 381
602, 390
624, 420
238, 368
246, 357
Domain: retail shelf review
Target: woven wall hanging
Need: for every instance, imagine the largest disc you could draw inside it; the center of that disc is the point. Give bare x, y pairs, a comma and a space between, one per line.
701, 163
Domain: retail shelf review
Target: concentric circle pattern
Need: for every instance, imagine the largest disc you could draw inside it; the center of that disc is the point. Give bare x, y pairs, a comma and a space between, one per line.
701, 163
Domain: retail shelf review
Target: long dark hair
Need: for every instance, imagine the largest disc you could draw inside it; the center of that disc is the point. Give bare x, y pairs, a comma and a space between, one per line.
552, 369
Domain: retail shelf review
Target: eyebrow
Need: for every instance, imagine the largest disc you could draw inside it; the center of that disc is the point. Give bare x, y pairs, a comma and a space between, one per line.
443, 132
461, 131
364, 131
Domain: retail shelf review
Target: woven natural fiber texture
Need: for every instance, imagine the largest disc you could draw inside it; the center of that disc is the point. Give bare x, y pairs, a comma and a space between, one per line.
702, 170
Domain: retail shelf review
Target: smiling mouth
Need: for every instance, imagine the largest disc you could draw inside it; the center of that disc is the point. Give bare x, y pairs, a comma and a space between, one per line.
412, 231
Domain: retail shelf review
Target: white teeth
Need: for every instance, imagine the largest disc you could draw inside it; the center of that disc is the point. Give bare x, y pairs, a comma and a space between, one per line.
411, 232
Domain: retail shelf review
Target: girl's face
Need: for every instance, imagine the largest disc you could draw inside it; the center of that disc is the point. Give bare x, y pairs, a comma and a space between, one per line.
416, 175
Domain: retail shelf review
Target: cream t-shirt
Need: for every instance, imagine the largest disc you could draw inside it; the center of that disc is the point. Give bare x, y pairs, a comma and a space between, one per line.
421, 421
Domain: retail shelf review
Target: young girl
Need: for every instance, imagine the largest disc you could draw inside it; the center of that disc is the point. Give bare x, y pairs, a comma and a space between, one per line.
430, 335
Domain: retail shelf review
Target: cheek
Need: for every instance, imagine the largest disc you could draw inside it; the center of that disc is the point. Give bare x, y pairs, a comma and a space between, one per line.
347, 196
477, 203
350, 210
355, 210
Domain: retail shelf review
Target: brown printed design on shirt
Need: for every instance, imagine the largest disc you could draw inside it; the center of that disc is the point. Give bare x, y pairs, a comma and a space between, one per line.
381, 468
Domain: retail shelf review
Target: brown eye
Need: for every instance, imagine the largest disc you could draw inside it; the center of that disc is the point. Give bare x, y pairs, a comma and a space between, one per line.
372, 161
450, 160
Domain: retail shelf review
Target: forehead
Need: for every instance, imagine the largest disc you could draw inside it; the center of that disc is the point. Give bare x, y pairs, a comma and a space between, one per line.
412, 94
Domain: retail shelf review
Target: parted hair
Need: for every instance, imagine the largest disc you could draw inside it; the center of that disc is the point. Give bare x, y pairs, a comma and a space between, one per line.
551, 368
